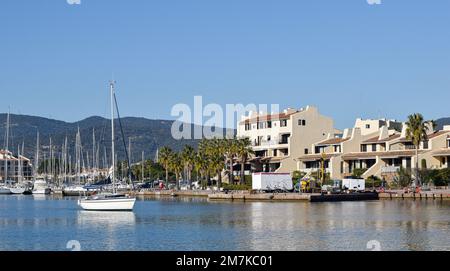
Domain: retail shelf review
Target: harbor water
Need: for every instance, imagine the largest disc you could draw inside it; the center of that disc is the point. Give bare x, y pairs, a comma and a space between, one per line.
49, 223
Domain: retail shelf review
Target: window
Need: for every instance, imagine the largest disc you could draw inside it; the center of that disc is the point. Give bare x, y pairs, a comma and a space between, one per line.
337, 148
302, 122
426, 145
306, 151
342, 167
367, 126
268, 138
363, 148
269, 124
448, 143
374, 147
248, 127
283, 123
320, 149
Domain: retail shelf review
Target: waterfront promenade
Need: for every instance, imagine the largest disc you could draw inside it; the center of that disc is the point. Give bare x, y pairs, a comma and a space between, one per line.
443, 194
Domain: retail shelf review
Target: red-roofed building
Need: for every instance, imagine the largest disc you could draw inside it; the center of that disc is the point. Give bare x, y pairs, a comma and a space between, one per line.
18, 166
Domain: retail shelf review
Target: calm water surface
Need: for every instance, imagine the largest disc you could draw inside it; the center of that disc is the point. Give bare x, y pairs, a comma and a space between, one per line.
48, 223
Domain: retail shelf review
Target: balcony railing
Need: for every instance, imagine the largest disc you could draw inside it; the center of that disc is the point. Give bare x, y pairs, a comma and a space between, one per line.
389, 169
267, 143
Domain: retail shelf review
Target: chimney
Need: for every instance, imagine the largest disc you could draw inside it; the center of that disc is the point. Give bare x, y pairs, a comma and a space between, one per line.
384, 133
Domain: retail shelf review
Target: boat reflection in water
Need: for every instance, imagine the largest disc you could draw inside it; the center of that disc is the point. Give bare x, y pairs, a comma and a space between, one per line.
111, 230
106, 219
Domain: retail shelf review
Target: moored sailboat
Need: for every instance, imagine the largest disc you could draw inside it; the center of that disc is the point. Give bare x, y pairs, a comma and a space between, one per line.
114, 201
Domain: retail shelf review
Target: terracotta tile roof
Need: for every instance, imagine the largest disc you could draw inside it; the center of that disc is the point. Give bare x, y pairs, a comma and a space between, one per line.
443, 152
362, 155
315, 157
268, 117
333, 141
436, 134
430, 136
376, 139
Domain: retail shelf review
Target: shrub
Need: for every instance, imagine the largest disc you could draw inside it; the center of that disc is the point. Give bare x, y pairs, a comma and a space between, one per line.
374, 181
442, 177
233, 187
358, 172
403, 178
296, 175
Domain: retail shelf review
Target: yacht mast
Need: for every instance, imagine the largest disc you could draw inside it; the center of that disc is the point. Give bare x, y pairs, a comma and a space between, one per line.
36, 167
143, 167
6, 148
93, 155
112, 137
19, 162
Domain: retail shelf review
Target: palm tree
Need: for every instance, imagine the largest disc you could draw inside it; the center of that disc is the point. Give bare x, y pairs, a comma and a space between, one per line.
230, 152
176, 164
201, 165
216, 159
244, 151
188, 156
164, 158
417, 131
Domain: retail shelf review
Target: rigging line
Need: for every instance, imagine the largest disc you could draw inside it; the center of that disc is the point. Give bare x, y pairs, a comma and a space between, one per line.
124, 143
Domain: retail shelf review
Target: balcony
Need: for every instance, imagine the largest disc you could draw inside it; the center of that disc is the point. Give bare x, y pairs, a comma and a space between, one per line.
389, 169
270, 143
314, 170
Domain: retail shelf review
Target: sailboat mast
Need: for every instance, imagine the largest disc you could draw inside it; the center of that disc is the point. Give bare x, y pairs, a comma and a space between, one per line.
6, 148
93, 154
112, 138
36, 168
19, 165
143, 176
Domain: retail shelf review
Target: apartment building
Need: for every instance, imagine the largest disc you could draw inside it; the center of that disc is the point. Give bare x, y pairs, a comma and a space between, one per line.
332, 151
17, 166
380, 152
278, 139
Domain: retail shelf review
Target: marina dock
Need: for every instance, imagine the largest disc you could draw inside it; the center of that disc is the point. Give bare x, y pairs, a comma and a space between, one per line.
247, 196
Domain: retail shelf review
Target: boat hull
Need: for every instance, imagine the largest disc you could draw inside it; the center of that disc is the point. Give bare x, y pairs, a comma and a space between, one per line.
5, 191
17, 190
345, 197
114, 204
46, 191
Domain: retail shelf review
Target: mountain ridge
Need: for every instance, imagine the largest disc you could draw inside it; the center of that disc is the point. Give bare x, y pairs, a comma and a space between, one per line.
146, 135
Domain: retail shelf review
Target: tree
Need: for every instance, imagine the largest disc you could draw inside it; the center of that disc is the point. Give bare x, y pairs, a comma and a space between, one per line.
164, 158
403, 178
358, 172
176, 165
230, 152
417, 132
188, 157
244, 151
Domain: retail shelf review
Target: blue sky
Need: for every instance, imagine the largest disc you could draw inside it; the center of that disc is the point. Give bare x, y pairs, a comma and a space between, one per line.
348, 58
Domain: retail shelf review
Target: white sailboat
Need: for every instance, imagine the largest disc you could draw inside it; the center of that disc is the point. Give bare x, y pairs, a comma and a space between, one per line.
40, 186
19, 188
114, 201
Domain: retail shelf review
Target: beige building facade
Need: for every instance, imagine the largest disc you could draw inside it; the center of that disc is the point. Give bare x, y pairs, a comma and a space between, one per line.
301, 140
379, 153
278, 139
